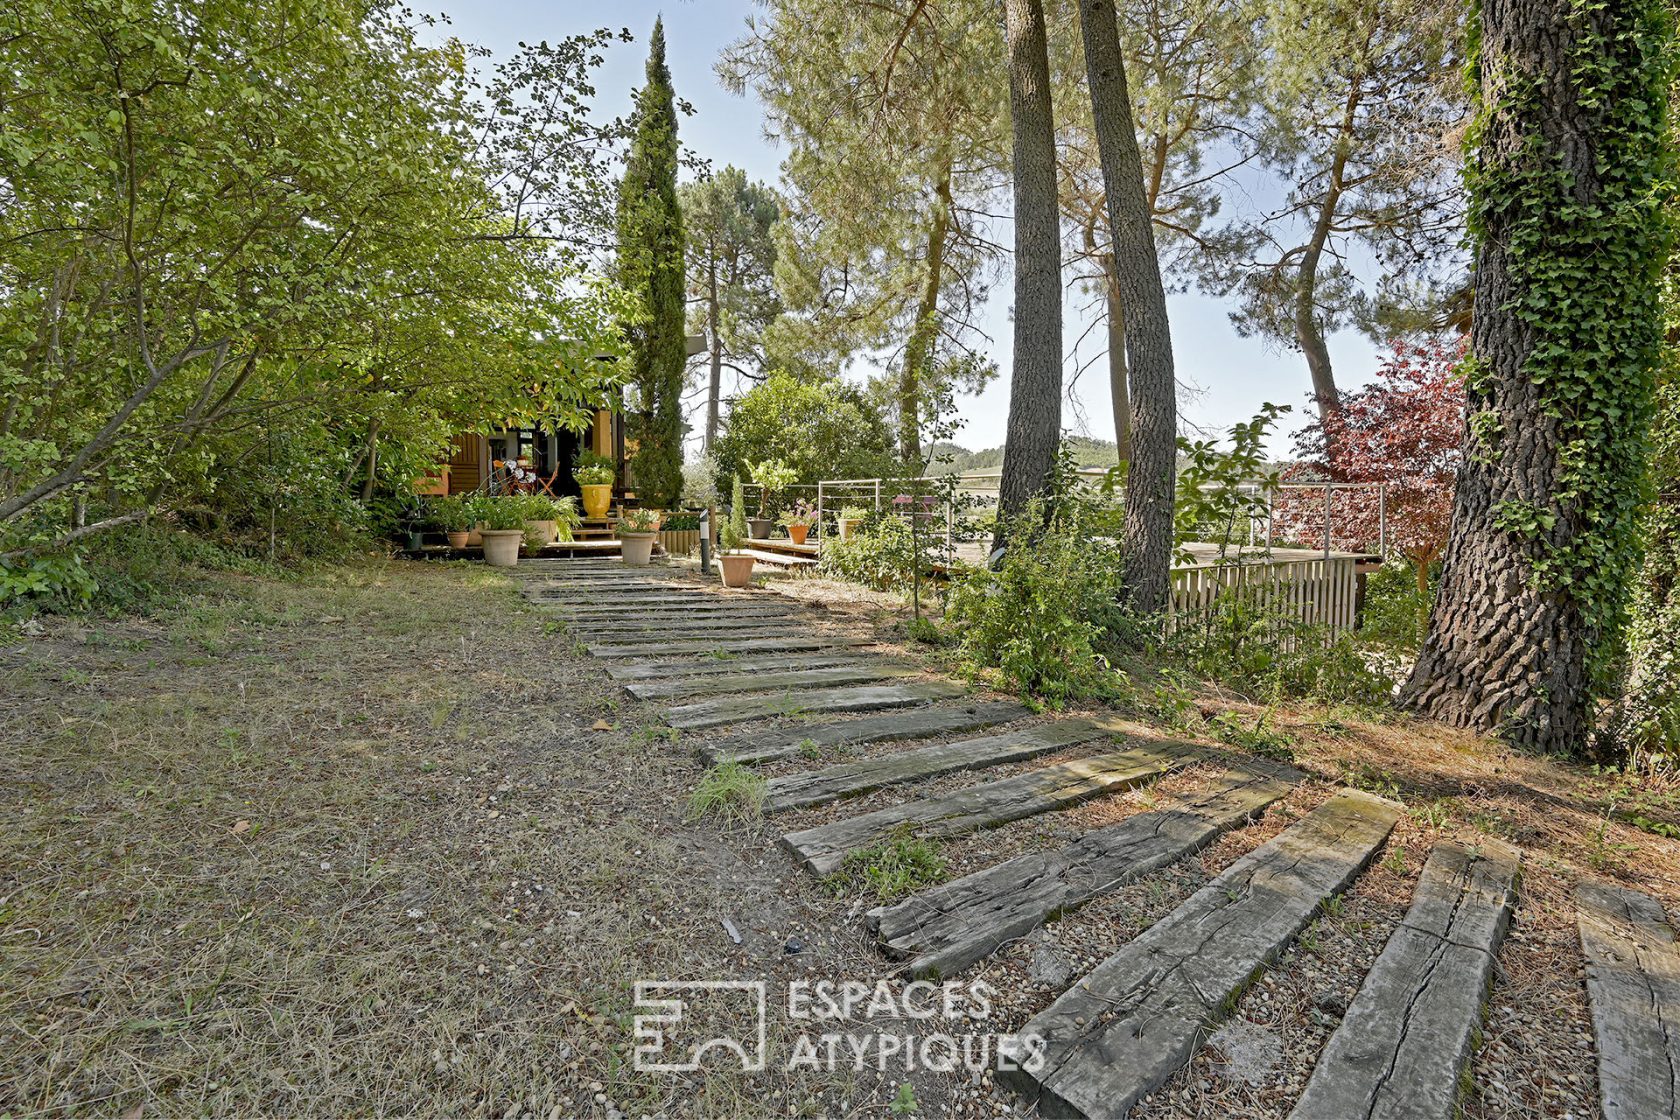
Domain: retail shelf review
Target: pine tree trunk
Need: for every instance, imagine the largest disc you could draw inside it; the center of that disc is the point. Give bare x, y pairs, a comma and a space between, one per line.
1309, 336
1148, 529
919, 350
1557, 189
1035, 389
713, 317
1118, 391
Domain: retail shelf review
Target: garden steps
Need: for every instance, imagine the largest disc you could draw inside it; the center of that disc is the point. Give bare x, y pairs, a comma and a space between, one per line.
861, 698
803, 644
1633, 985
654, 614
913, 723
822, 849
681, 668
1401, 1048
747, 682
694, 628
950, 926
817, 787
1132, 1022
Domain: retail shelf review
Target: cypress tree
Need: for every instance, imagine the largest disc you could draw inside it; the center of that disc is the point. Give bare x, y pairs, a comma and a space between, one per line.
650, 264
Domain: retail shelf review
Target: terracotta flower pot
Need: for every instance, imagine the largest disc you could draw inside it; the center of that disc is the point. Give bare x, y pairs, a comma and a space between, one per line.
597, 499
501, 546
797, 532
457, 538
737, 569
637, 547
475, 535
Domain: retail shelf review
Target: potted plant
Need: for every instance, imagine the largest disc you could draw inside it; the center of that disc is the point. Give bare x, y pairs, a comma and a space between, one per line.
541, 518
798, 519
503, 521
455, 515
637, 530
851, 517
594, 475
772, 476
737, 566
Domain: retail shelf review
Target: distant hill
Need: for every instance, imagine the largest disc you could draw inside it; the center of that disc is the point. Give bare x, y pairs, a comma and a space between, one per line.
1087, 452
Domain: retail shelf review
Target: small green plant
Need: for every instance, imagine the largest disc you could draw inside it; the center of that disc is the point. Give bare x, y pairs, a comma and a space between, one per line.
453, 513
1262, 740
891, 869
809, 749
734, 531
638, 521
800, 513
594, 470
904, 1104
729, 792
772, 477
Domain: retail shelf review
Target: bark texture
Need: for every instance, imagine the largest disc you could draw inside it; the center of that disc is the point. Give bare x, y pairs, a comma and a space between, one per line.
1119, 392
1035, 386
1148, 530
1510, 635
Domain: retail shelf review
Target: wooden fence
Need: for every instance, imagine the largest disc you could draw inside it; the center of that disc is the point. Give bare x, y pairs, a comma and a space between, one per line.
1318, 591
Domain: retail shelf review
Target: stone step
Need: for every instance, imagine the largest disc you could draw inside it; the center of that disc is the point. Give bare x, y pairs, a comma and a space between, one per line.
822, 849
798, 702
739, 683
678, 668
726, 645
816, 787
1401, 1049
949, 927
1127, 1026
1633, 984
914, 723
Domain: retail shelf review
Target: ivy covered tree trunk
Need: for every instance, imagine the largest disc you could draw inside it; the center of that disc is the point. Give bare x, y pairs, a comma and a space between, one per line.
650, 264
1566, 191
1147, 533
1035, 383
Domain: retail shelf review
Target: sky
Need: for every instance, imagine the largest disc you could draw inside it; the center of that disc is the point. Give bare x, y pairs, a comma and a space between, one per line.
1232, 376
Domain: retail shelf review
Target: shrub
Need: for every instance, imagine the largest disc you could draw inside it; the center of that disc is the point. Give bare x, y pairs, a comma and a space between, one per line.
734, 530
1270, 654
1396, 613
880, 554
1050, 617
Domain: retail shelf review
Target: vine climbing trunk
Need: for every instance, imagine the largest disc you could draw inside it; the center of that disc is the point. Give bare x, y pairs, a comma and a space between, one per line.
1566, 196
1035, 384
1147, 531
918, 352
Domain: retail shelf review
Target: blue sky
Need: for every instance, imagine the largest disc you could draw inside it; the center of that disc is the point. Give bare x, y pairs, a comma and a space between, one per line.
1235, 375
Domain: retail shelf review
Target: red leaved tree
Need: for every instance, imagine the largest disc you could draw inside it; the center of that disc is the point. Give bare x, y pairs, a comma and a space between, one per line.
1403, 430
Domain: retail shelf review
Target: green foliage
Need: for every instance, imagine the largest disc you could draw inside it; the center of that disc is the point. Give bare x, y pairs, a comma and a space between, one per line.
880, 554
891, 869
819, 429
594, 469
1269, 654
730, 793
904, 1102
219, 304
1583, 269
1217, 497
1395, 613
453, 513
734, 531
1049, 619
772, 476
640, 520
650, 266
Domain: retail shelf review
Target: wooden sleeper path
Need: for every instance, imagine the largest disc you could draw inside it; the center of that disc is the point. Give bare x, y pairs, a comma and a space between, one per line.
1124, 1028
748, 682
1401, 1049
824, 848
952, 925
791, 644
679, 668
914, 723
816, 787
1633, 984
862, 698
